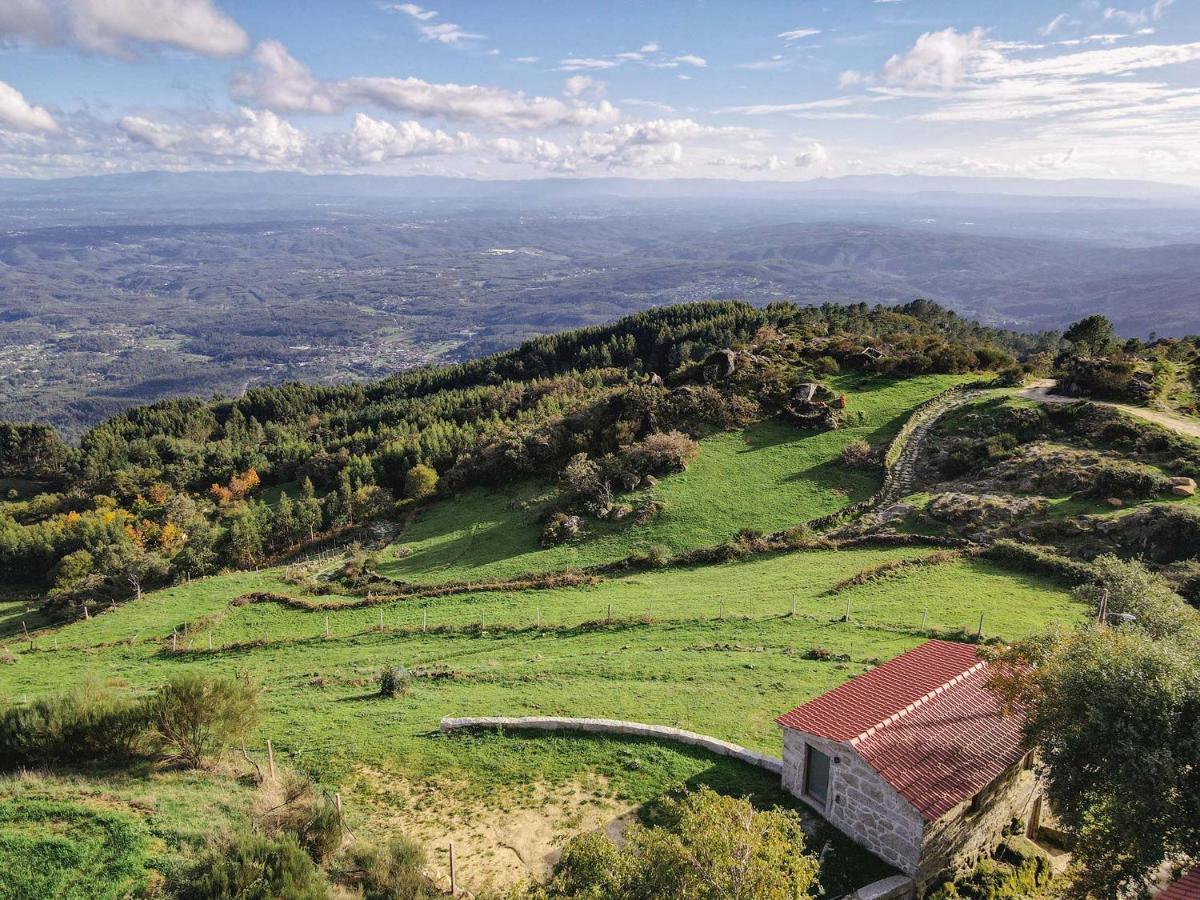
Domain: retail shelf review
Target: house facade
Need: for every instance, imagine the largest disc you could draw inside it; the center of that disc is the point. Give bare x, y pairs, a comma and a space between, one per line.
916, 761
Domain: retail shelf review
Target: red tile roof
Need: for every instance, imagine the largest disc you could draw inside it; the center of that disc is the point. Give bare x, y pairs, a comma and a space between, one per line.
925, 721
1186, 888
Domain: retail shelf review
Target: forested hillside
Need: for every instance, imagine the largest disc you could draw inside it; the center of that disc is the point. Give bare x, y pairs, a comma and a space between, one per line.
184, 487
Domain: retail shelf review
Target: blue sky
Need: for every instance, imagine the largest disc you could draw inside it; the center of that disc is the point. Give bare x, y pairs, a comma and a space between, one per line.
771, 90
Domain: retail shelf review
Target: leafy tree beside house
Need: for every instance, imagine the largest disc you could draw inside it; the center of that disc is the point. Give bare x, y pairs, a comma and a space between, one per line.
1114, 711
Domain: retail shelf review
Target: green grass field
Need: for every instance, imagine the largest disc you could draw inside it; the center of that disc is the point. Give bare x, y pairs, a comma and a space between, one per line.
769, 477
715, 649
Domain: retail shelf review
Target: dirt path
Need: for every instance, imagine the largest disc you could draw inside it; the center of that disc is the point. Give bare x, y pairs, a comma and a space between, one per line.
1043, 392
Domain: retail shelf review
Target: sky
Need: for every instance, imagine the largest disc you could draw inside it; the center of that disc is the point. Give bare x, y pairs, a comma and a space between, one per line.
665, 89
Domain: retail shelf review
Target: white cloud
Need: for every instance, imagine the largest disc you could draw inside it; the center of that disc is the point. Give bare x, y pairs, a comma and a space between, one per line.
775, 62
813, 155
1135, 17
257, 136
650, 143
438, 32
196, 25
375, 141
798, 33
1054, 24
770, 109
937, 59
284, 84
19, 114
576, 63
534, 151
578, 85
649, 55
528, 60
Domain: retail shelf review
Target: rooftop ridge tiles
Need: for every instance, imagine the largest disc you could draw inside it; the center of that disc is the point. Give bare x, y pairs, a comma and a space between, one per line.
916, 704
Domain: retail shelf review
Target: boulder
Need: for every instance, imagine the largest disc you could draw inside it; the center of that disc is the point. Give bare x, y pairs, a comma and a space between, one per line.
1184, 490
1115, 502
1183, 481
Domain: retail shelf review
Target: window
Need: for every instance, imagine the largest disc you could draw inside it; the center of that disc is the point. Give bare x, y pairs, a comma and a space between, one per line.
816, 774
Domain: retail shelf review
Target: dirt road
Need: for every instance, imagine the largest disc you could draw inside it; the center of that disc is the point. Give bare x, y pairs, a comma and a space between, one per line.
1043, 392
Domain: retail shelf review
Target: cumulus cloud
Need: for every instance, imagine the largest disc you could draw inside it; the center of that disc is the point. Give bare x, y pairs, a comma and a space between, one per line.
691, 59
120, 27
814, 154
19, 114
257, 136
654, 142
430, 30
283, 83
375, 141
533, 151
578, 85
937, 59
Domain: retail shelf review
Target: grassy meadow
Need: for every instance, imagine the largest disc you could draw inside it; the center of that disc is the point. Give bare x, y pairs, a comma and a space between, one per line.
768, 477
719, 649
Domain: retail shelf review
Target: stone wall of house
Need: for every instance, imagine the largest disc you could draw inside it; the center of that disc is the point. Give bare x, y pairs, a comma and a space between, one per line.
860, 803
960, 838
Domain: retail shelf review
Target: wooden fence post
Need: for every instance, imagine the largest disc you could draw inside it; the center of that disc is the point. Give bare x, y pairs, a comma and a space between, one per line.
270, 758
424, 619
539, 618
326, 624
846, 618
453, 880
924, 617
979, 633
793, 604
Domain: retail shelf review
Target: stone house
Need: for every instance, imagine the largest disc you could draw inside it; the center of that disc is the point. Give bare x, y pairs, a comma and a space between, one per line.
916, 761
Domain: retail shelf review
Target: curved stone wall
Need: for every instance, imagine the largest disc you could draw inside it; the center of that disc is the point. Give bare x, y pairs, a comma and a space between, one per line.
614, 726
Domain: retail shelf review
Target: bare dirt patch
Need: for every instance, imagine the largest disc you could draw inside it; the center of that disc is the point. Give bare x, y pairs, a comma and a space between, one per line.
509, 837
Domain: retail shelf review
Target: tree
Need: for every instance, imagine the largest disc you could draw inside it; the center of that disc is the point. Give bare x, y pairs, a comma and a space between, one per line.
710, 847
244, 537
1093, 336
420, 481
1115, 716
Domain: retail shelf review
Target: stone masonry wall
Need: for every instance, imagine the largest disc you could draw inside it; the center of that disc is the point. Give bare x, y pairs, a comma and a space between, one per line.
614, 726
960, 838
860, 803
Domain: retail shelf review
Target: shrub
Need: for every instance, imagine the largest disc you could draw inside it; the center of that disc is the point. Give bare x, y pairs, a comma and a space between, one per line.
90, 723
661, 453
560, 528
420, 481
254, 867
389, 872
394, 681
290, 805
858, 454
709, 846
197, 716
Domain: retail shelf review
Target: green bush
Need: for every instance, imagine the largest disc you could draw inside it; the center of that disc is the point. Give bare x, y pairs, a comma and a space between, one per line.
90, 723
391, 872
196, 716
254, 867
394, 681
708, 847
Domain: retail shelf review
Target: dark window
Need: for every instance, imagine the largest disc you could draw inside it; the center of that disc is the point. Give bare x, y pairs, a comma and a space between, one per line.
816, 775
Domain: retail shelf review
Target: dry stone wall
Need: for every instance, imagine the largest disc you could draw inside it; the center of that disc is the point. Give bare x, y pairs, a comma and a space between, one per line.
614, 726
